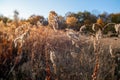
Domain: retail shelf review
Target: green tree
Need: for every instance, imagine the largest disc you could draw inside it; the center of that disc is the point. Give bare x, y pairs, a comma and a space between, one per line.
115, 18
61, 22
33, 19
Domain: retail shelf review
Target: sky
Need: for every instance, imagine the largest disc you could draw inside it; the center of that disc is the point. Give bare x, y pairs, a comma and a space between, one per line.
43, 7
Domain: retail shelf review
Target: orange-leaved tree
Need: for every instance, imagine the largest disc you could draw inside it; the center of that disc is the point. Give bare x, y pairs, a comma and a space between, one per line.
71, 21
100, 21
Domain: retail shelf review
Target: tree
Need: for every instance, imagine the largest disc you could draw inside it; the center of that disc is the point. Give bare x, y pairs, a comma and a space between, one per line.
85, 18
70, 14
104, 17
61, 22
33, 19
100, 21
4, 19
115, 18
71, 21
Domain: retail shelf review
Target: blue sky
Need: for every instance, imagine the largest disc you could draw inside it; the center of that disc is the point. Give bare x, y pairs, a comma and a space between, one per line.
43, 7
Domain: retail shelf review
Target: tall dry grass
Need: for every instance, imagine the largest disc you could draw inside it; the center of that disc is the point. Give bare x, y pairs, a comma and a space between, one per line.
33, 61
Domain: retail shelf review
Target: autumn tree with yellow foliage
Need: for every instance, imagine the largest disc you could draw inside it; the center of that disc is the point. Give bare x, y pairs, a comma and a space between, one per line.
71, 21
100, 21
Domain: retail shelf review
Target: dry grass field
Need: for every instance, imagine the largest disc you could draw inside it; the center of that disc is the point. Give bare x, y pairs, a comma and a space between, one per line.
49, 55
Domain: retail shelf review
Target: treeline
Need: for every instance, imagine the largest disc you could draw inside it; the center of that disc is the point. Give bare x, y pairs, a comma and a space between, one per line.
70, 20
